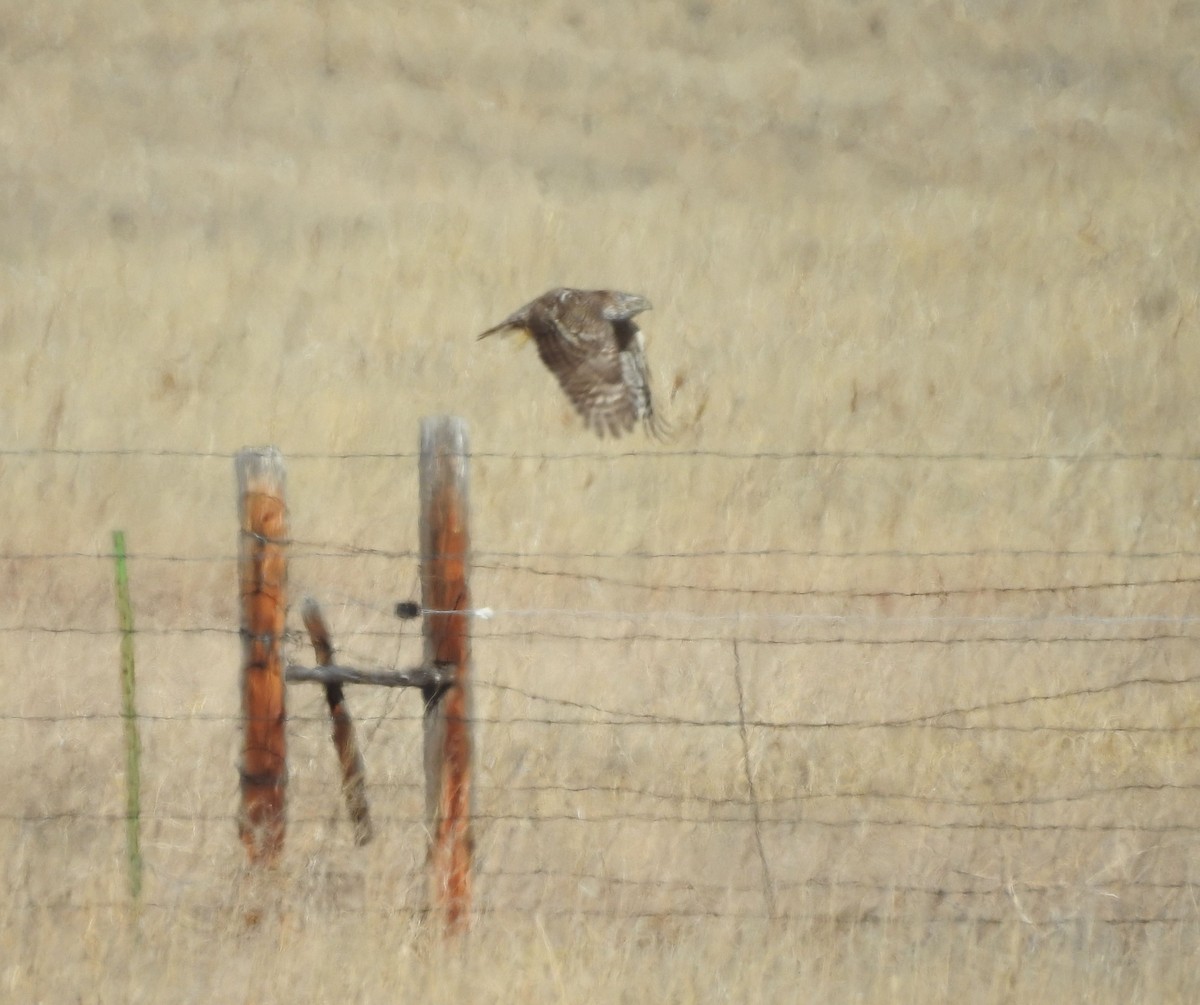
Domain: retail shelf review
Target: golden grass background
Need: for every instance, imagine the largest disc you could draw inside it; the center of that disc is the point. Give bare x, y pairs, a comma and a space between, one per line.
950, 229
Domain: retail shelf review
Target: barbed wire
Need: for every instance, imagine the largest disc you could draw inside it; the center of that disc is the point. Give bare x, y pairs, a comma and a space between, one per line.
849, 593
846, 593
739, 812
330, 549
686, 913
650, 637
333, 550
996, 889
920, 723
633, 718
858, 823
847, 454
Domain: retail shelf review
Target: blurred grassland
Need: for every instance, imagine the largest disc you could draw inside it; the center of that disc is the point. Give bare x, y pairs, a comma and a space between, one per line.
964, 228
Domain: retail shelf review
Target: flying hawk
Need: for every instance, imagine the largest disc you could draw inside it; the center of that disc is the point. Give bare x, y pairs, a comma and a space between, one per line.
590, 342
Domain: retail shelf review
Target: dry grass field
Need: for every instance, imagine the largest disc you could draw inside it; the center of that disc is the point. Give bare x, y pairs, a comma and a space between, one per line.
876, 683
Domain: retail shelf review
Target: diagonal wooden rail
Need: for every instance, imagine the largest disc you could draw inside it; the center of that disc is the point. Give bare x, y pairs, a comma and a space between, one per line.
354, 772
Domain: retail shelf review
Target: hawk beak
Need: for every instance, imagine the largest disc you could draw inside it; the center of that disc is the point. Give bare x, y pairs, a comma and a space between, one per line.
627, 305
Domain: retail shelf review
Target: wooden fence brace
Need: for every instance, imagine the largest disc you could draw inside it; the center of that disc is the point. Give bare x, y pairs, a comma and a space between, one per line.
422, 676
445, 543
354, 786
262, 576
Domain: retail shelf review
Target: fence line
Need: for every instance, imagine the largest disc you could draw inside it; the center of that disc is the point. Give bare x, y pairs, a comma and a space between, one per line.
950, 456
679, 639
621, 717
416, 914
354, 552
845, 593
771, 819
916, 723
737, 802
858, 824
839, 592
341, 551
801, 617
334, 550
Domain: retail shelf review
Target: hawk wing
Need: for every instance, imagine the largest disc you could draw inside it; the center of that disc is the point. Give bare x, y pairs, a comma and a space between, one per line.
593, 373
589, 341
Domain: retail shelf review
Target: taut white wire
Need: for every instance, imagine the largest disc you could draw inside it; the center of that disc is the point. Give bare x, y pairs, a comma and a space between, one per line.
736, 616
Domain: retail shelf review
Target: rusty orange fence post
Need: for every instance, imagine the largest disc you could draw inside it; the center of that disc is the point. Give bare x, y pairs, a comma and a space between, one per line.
445, 543
262, 582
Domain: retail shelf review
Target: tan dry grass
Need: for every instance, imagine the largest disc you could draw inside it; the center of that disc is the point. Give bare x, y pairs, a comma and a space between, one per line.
961, 227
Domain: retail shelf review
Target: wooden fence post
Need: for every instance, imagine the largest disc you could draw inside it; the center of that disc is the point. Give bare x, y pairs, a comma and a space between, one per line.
262, 575
445, 544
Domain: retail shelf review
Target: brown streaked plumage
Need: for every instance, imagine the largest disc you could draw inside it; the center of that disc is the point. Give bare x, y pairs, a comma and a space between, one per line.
590, 342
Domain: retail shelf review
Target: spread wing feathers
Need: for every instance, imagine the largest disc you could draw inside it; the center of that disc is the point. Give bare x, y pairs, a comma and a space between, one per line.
589, 341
